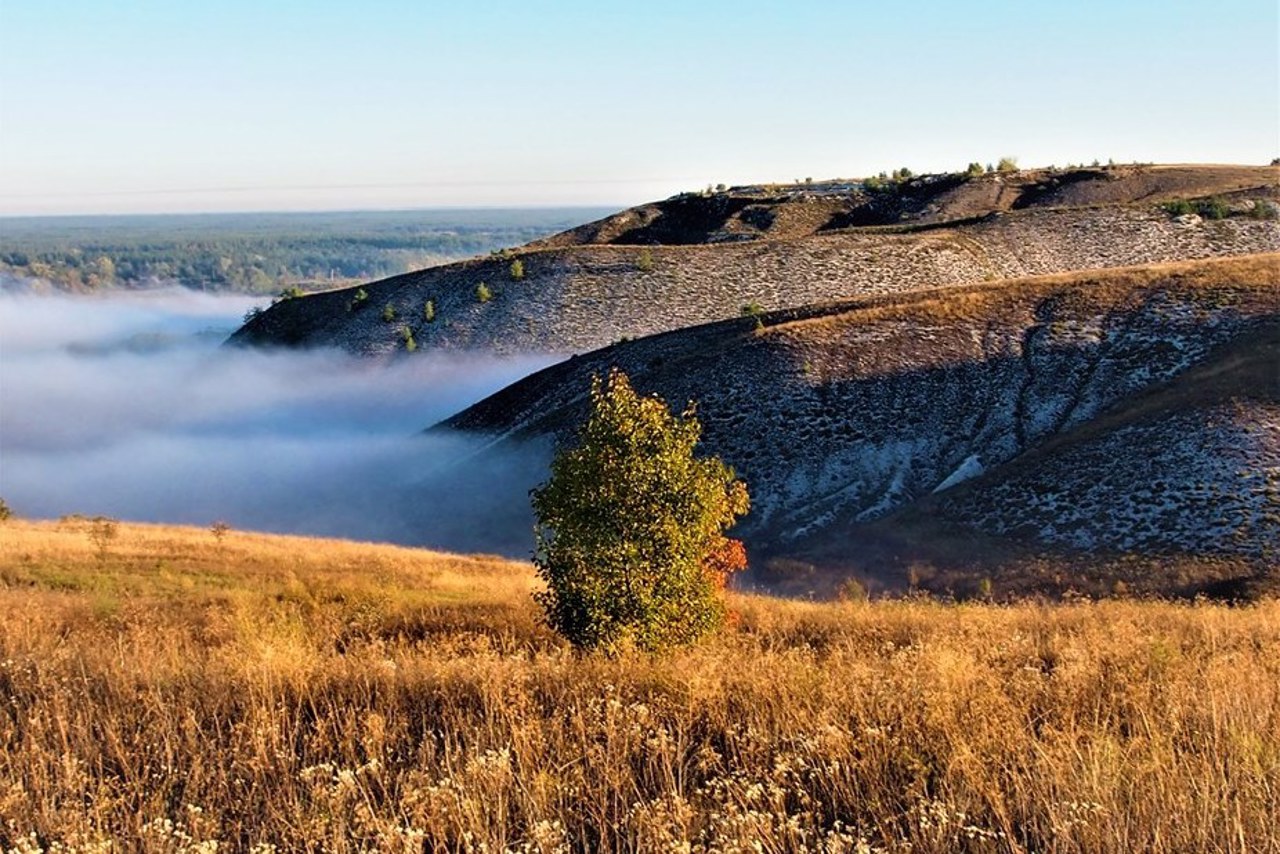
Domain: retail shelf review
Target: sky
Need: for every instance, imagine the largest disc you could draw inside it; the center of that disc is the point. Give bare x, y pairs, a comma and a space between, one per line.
154, 106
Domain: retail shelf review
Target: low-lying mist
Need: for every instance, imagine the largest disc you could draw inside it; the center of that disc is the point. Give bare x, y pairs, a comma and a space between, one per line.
127, 406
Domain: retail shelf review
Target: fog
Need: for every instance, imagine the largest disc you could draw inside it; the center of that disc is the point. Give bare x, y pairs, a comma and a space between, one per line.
127, 406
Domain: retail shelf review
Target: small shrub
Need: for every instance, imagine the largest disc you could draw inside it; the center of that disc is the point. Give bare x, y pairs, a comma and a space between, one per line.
1179, 207
644, 263
5, 512
388, 313
406, 335
483, 294
1214, 209
289, 293
252, 314
974, 169
517, 270
102, 530
1007, 164
429, 311
752, 309
360, 299
1263, 209
851, 590
219, 529
985, 588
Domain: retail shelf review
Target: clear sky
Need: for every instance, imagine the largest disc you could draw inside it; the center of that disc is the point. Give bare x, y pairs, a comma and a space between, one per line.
161, 105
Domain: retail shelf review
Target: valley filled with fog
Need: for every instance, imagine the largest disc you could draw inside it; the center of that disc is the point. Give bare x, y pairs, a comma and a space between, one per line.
127, 405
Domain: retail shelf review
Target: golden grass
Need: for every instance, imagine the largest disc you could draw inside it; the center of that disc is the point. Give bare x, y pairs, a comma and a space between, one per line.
175, 693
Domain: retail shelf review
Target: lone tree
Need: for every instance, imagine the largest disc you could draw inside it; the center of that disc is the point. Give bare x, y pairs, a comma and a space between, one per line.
630, 527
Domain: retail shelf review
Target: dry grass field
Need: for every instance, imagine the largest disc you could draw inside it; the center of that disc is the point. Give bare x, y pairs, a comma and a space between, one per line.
168, 690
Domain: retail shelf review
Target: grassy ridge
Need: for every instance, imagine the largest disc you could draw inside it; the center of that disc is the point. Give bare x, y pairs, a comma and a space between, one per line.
166, 689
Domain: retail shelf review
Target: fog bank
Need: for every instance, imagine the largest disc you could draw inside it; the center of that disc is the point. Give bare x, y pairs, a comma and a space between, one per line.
126, 405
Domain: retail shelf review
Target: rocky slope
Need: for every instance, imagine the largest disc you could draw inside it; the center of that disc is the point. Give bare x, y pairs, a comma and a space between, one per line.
699, 258
1130, 410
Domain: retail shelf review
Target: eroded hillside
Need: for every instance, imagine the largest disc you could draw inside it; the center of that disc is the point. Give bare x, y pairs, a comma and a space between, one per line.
841, 415
696, 259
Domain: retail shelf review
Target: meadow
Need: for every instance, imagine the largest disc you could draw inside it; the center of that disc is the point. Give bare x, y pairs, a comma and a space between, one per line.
169, 689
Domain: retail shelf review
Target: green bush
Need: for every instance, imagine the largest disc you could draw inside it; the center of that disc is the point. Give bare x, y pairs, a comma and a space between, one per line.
517, 270
483, 294
1263, 209
360, 299
974, 169
5, 512
644, 263
630, 527
1007, 164
406, 335
1179, 207
1214, 209
388, 312
429, 311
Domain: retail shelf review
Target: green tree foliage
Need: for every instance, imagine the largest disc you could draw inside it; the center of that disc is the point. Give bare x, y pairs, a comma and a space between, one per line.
388, 312
429, 311
630, 527
517, 270
483, 294
1007, 164
974, 169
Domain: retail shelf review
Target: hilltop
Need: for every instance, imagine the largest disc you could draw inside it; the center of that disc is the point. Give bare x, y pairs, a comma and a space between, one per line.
1130, 413
702, 257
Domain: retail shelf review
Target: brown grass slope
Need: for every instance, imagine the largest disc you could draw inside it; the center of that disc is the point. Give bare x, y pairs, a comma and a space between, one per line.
839, 415
579, 293
181, 693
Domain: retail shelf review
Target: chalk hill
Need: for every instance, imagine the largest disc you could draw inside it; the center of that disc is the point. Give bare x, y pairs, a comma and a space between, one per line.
1129, 412
697, 258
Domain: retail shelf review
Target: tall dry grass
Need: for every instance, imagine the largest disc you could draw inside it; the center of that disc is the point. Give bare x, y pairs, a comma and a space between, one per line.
180, 694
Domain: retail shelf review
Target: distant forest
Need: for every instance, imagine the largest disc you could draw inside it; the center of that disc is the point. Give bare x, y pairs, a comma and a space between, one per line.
259, 253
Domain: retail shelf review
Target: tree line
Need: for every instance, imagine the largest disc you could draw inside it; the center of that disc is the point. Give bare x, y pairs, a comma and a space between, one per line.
258, 253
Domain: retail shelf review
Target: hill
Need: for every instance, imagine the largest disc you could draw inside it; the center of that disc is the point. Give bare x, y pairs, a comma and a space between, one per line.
1129, 411
166, 689
697, 258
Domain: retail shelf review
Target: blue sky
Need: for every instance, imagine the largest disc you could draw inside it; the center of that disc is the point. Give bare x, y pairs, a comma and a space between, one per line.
154, 105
